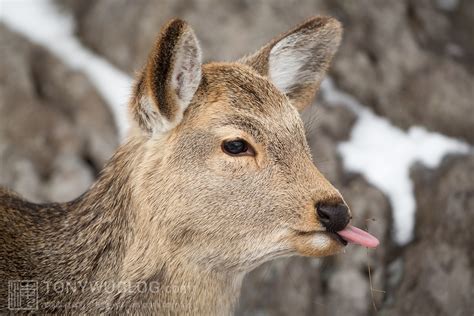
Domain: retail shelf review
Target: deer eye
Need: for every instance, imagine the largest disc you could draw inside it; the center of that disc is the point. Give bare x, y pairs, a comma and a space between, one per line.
237, 147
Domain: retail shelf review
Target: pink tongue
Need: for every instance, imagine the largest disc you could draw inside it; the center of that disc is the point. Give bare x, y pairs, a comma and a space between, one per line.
358, 236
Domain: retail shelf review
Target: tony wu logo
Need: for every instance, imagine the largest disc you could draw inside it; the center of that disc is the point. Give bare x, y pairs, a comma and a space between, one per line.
34, 295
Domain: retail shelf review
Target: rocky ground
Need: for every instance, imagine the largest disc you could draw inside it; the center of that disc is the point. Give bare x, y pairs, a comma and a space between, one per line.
438, 266
412, 62
56, 132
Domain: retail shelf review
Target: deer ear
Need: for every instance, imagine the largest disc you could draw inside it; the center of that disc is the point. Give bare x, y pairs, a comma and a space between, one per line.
169, 80
296, 61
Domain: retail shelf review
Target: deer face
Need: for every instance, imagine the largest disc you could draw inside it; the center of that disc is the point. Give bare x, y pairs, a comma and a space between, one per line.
227, 171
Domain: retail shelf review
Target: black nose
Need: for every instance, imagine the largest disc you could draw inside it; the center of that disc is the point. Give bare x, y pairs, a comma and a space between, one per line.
333, 217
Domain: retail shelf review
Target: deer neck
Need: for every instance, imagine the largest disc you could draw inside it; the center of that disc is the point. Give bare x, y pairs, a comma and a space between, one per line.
98, 226
182, 290
124, 249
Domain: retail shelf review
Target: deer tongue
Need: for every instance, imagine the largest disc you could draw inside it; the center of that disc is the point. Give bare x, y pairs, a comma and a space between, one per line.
358, 236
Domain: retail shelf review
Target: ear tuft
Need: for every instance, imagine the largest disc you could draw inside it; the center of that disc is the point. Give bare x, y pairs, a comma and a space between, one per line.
296, 62
170, 79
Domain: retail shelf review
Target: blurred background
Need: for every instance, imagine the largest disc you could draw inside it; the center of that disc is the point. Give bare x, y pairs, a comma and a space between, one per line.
392, 128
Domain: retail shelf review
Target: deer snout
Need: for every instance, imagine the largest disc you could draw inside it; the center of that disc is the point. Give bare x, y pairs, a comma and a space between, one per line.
334, 217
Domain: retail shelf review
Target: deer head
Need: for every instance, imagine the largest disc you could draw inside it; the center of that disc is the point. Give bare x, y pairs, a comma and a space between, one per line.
225, 178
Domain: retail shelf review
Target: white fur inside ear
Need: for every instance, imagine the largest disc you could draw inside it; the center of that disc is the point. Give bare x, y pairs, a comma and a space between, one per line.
156, 123
186, 74
294, 61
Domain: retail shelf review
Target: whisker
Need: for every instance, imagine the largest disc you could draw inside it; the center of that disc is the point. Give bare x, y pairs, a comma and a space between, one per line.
372, 289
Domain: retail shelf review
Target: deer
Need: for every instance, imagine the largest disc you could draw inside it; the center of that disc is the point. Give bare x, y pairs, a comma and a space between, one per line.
214, 178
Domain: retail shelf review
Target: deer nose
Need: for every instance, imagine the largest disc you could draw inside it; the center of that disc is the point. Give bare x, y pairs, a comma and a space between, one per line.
333, 217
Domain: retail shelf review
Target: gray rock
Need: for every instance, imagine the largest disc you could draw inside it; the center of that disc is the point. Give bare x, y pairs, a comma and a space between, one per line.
56, 132
438, 267
290, 286
410, 61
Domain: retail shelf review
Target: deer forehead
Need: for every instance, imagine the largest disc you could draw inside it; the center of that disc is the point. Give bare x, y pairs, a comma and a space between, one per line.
235, 95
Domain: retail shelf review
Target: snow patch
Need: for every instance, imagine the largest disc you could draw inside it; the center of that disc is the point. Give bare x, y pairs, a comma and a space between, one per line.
383, 153
448, 5
42, 23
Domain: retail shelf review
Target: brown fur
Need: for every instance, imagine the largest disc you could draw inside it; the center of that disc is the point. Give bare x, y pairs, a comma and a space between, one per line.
173, 211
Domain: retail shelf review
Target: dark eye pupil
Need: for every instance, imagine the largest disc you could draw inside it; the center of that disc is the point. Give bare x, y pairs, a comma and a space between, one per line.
235, 147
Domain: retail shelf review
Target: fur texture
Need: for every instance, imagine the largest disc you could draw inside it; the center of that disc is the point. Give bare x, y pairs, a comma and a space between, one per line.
173, 223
